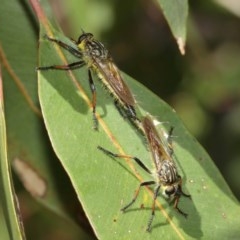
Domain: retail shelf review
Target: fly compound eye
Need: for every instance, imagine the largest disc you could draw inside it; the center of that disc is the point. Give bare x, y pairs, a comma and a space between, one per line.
84, 36
170, 191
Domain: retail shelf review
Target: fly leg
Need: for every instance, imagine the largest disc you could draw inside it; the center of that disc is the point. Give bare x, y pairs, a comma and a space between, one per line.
69, 48
136, 194
137, 160
70, 66
94, 100
153, 208
179, 194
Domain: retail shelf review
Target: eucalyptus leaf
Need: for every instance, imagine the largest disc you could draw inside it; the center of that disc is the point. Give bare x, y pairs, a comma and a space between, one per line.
105, 185
27, 139
176, 12
11, 224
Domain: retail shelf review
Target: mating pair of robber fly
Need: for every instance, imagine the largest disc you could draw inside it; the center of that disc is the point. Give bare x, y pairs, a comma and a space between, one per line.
95, 56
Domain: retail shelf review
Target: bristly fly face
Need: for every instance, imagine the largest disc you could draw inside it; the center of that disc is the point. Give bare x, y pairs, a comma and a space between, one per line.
96, 57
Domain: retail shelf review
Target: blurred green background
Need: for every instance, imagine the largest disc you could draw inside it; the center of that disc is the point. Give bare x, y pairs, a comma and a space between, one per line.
203, 86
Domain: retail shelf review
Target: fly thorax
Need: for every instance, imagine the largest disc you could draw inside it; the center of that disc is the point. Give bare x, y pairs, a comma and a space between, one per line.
97, 50
167, 172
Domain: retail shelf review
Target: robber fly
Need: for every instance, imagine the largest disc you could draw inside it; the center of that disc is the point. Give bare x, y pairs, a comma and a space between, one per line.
165, 171
96, 57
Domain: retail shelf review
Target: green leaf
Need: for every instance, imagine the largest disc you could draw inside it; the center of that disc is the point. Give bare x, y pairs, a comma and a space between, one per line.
26, 134
105, 185
176, 12
24, 131
3, 226
11, 220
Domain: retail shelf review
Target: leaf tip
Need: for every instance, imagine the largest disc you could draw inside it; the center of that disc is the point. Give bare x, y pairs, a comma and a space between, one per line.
181, 45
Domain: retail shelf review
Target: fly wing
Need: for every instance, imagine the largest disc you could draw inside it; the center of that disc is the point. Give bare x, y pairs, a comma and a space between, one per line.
112, 78
156, 144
